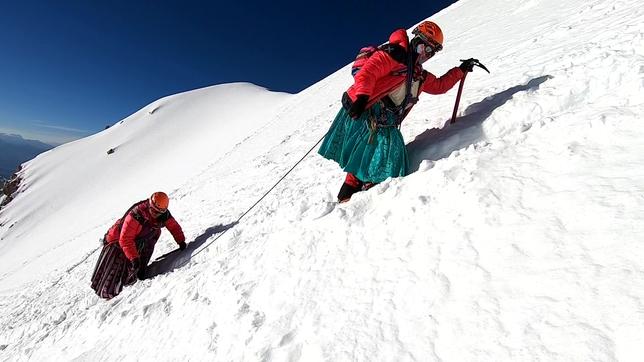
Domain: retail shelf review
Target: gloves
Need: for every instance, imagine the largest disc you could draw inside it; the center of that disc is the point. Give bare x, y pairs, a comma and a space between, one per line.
468, 65
182, 245
135, 264
358, 107
141, 274
132, 273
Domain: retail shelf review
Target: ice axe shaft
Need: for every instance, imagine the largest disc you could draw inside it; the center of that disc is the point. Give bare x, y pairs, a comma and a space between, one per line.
458, 98
460, 87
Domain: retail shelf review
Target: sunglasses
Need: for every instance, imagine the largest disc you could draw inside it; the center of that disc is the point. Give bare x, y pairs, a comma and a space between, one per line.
155, 210
428, 48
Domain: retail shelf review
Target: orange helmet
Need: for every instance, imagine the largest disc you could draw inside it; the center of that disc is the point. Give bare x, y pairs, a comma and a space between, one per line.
159, 201
429, 32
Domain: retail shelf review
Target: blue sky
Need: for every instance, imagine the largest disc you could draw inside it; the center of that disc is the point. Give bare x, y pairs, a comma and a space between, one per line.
69, 68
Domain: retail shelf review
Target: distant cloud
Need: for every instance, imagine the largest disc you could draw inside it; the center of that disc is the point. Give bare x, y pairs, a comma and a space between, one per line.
67, 129
44, 131
60, 128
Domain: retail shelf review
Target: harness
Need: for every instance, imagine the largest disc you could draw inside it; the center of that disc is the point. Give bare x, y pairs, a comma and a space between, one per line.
388, 108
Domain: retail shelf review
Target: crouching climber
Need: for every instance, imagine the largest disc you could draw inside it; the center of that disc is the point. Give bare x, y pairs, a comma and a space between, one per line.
129, 244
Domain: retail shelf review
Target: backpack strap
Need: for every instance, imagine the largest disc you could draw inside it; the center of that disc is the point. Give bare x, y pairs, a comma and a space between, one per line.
397, 52
401, 110
136, 216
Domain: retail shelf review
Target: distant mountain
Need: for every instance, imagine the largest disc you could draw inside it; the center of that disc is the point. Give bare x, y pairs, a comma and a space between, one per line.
15, 150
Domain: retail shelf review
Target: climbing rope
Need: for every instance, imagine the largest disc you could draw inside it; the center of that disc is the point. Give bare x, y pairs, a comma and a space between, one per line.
258, 201
210, 243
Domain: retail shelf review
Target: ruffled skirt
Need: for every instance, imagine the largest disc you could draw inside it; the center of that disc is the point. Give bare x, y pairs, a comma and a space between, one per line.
370, 153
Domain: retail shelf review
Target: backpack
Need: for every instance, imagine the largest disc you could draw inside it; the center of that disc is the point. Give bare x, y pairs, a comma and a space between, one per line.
395, 51
363, 55
400, 55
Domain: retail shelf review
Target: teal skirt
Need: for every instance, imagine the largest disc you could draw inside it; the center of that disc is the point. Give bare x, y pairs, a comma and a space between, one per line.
370, 156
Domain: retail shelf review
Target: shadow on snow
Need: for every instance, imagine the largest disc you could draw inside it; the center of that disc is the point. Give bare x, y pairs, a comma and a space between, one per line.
431, 145
176, 258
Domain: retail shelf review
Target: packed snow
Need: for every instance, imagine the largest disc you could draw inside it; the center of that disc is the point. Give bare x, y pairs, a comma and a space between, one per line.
518, 238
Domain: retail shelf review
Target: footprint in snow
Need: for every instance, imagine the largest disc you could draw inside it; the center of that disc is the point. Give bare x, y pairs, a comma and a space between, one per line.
258, 320
320, 210
287, 338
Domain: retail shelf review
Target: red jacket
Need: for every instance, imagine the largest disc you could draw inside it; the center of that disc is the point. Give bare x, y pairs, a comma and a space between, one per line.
139, 223
376, 78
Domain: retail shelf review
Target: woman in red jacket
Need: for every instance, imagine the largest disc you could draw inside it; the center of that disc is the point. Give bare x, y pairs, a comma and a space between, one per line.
364, 138
129, 244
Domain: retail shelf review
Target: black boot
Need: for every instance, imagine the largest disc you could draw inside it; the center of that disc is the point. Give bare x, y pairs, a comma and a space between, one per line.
346, 191
367, 185
141, 273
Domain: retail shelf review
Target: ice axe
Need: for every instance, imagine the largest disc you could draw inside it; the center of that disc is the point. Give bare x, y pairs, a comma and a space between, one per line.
460, 86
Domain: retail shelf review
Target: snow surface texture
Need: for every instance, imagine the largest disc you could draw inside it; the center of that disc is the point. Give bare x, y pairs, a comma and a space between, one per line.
518, 238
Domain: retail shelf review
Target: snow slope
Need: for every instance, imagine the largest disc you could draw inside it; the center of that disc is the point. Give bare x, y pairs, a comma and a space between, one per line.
518, 238
72, 194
